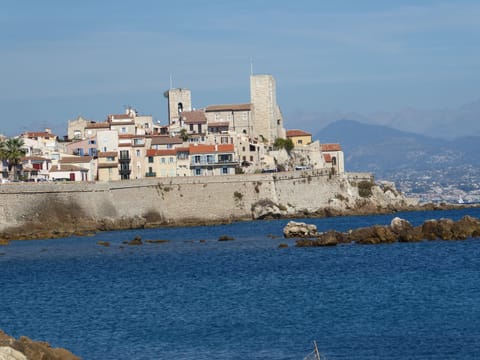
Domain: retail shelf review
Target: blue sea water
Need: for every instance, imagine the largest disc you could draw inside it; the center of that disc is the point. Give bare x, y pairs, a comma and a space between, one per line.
195, 297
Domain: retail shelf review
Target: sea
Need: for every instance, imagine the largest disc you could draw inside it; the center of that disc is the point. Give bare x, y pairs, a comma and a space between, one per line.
192, 296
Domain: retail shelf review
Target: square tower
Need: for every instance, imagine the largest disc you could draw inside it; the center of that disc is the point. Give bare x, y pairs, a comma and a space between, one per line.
267, 117
178, 100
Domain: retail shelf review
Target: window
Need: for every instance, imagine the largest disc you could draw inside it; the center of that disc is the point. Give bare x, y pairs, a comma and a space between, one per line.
197, 159
224, 157
180, 107
138, 153
191, 127
91, 142
123, 130
224, 171
299, 141
334, 160
198, 172
243, 148
170, 159
162, 160
150, 159
210, 159
199, 128
251, 158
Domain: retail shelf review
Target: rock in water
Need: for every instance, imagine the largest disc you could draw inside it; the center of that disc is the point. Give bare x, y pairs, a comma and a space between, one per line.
299, 230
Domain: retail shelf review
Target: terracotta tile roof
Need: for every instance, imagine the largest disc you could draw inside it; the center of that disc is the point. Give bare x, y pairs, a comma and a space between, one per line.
34, 158
182, 149
166, 140
100, 125
165, 152
295, 132
68, 167
208, 149
327, 157
75, 159
331, 147
228, 107
104, 154
33, 134
194, 117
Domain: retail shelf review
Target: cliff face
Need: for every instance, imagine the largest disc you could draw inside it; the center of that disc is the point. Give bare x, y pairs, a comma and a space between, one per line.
52, 209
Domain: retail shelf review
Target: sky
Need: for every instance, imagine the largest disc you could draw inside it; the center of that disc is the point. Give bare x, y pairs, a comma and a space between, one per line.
64, 59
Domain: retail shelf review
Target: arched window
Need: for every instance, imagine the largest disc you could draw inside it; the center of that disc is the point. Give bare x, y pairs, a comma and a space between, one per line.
334, 160
180, 107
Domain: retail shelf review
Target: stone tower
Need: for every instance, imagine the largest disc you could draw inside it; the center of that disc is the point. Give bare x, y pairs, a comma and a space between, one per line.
267, 117
178, 100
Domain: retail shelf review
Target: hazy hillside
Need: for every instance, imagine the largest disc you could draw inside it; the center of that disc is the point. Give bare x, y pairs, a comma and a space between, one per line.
403, 156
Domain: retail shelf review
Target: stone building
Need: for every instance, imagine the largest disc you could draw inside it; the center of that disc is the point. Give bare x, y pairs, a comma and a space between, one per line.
267, 117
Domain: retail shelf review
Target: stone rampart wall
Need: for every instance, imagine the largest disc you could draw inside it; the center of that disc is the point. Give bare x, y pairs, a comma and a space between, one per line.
169, 200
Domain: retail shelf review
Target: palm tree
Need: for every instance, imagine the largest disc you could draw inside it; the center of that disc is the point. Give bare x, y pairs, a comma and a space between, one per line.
11, 152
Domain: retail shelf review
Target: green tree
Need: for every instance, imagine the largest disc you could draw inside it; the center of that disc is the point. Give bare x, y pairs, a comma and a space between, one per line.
183, 134
281, 143
11, 152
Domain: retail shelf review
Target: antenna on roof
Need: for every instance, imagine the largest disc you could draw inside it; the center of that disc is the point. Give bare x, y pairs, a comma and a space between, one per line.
251, 66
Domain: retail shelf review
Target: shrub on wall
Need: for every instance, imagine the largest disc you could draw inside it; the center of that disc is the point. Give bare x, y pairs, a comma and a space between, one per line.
365, 188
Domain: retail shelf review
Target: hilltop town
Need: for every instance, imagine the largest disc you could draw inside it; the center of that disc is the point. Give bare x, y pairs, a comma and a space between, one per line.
223, 139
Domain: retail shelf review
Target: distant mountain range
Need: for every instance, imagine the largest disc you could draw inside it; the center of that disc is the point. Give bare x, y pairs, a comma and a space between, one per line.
447, 123
388, 152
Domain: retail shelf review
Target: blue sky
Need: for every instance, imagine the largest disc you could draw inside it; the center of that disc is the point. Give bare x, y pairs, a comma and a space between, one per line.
62, 59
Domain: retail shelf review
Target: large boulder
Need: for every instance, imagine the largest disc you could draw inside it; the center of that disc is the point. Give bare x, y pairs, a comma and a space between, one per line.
265, 210
466, 227
376, 234
400, 226
300, 230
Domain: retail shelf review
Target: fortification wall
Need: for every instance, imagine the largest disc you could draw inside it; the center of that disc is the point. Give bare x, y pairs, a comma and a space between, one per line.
171, 200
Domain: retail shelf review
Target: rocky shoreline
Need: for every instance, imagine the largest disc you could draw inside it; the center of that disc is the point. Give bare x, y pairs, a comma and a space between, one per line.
27, 349
399, 230
71, 226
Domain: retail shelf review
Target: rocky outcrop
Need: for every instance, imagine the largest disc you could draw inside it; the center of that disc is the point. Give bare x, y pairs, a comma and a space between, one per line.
399, 230
27, 349
299, 230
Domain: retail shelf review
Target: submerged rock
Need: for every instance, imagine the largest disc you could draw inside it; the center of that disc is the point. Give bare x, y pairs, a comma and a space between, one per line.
137, 240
